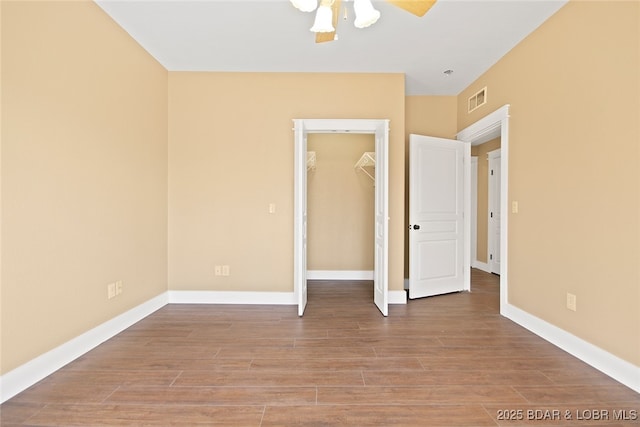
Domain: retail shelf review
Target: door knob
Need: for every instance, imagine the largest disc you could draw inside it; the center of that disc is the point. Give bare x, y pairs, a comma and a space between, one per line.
416, 227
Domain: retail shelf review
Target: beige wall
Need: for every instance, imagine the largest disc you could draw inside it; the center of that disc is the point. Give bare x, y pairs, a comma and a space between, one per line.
482, 223
231, 155
84, 174
425, 115
340, 204
574, 168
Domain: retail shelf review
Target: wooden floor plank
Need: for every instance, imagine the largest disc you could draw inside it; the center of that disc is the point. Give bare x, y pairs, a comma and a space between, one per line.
423, 395
214, 396
273, 378
396, 364
369, 415
575, 394
456, 377
136, 415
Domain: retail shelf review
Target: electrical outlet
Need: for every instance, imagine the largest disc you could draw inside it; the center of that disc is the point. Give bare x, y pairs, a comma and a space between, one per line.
225, 270
571, 302
218, 270
111, 290
118, 287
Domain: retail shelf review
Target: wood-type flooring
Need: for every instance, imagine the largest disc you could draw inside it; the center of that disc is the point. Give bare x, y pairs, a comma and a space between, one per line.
449, 360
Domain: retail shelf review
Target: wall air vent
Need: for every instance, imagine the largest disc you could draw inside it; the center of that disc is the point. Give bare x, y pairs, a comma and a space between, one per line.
477, 100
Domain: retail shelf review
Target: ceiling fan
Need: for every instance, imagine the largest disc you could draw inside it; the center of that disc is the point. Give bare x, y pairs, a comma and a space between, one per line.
327, 13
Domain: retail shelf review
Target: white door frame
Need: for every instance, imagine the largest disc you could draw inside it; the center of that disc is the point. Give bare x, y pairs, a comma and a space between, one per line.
491, 126
380, 128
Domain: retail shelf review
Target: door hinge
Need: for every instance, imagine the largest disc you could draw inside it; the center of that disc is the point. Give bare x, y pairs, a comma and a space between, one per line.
491, 257
491, 172
491, 214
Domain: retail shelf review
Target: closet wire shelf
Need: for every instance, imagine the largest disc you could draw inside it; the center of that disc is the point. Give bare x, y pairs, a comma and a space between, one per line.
311, 160
367, 160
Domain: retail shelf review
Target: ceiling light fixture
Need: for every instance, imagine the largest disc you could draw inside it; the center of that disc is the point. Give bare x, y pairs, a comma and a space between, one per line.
305, 5
324, 20
365, 13
328, 12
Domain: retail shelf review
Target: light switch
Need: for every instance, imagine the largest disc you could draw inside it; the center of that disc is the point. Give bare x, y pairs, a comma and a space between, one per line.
514, 207
272, 208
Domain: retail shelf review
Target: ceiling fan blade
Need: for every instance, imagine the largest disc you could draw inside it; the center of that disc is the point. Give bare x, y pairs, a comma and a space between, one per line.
325, 37
417, 7
335, 11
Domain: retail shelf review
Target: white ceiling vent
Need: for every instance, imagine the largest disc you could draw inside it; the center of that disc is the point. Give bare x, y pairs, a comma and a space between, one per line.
477, 100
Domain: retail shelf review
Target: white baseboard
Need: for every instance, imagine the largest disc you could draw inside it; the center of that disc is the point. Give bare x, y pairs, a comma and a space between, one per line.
340, 274
611, 365
397, 297
481, 266
275, 298
231, 297
24, 376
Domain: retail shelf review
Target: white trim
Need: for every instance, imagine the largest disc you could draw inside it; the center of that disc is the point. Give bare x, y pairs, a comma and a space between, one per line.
489, 127
26, 375
273, 298
303, 127
485, 129
397, 297
232, 297
339, 274
611, 365
481, 266
362, 126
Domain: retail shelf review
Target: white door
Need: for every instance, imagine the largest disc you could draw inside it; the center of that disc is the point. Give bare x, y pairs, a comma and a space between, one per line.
437, 193
381, 263
300, 220
494, 211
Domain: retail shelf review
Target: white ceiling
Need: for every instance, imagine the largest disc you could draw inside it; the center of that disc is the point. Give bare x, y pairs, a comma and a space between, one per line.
272, 36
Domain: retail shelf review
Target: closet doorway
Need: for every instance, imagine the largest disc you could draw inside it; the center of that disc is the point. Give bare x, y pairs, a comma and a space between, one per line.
380, 130
340, 207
